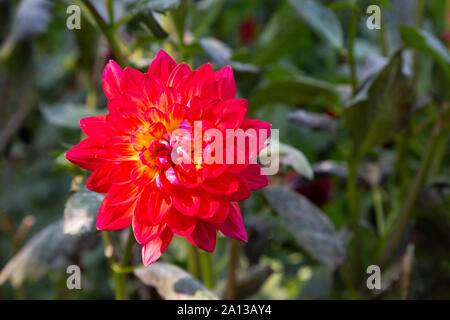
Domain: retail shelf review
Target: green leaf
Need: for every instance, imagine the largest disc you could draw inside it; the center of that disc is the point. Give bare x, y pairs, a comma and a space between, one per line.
173, 283
147, 21
293, 157
321, 20
294, 91
67, 115
428, 43
81, 211
154, 5
311, 228
381, 108
204, 13
50, 249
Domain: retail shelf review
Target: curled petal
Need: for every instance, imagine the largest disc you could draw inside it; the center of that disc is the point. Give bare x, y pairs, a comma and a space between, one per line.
146, 232
153, 249
233, 226
177, 75
99, 179
112, 78
203, 236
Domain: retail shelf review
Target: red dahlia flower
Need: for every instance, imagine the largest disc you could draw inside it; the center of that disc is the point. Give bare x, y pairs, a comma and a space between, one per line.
131, 153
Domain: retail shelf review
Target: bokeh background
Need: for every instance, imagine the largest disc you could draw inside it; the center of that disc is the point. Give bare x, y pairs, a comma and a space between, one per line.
364, 128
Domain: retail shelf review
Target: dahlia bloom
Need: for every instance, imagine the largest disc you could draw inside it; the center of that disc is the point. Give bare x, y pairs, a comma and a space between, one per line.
134, 154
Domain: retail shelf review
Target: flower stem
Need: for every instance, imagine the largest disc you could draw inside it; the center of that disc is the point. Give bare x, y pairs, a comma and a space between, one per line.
206, 266
353, 201
108, 30
411, 196
193, 261
351, 48
232, 268
119, 270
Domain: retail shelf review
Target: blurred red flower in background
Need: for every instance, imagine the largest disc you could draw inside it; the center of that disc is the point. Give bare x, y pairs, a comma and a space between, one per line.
129, 151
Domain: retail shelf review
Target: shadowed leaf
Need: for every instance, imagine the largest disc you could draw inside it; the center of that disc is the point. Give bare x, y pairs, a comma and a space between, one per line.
173, 283
50, 249
81, 211
310, 227
381, 109
320, 19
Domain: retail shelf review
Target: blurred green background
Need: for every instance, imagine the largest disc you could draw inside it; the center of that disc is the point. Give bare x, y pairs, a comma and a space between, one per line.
364, 124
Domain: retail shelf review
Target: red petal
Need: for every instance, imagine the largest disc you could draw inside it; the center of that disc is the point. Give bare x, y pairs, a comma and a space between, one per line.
99, 179
153, 206
203, 236
84, 154
176, 114
224, 184
179, 223
153, 249
120, 174
114, 217
242, 193
187, 201
123, 193
96, 128
146, 232
180, 71
254, 177
208, 205
143, 175
151, 87
234, 111
112, 77
167, 97
233, 227
122, 148
131, 79
226, 80
161, 66
155, 115
221, 215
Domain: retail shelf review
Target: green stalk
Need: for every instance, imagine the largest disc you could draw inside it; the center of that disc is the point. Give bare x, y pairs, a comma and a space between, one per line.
379, 212
107, 30
413, 191
353, 201
119, 279
206, 266
193, 261
232, 268
351, 48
